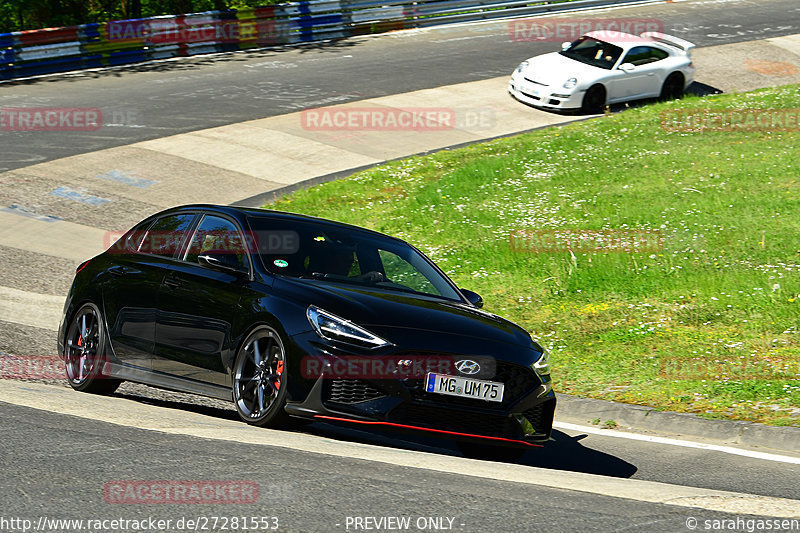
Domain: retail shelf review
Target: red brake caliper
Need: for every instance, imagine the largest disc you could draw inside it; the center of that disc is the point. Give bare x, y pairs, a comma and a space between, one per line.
278, 371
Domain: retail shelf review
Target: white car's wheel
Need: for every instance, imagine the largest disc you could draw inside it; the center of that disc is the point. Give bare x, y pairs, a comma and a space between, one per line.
594, 100
673, 87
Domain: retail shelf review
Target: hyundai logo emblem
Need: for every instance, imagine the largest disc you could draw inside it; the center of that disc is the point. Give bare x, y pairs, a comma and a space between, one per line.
468, 366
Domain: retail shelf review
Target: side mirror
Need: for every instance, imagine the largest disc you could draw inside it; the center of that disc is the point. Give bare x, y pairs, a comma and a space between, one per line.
627, 67
221, 260
473, 297
565, 45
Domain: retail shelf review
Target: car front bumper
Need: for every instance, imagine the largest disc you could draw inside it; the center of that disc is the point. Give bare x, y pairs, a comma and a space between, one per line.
530, 427
531, 94
392, 402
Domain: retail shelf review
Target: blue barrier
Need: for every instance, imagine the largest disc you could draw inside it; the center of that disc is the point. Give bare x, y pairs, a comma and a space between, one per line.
123, 42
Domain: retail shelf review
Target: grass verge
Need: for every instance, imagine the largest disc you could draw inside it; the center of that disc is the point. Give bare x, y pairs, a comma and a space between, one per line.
659, 267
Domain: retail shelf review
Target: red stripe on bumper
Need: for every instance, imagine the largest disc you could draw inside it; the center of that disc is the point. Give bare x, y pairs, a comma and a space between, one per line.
418, 428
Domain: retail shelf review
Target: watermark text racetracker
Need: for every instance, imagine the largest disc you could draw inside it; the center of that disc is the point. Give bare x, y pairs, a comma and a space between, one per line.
77, 119
732, 367
586, 241
34, 368
50, 118
199, 30
730, 120
145, 523
222, 241
561, 30
180, 492
391, 366
421, 119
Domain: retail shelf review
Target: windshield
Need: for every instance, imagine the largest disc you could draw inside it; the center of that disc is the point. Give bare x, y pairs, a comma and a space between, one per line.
317, 250
593, 52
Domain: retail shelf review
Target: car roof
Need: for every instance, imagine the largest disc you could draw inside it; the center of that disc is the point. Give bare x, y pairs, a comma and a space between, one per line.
623, 40
269, 213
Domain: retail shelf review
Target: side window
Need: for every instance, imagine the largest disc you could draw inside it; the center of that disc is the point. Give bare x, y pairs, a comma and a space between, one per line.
166, 235
657, 55
400, 271
330, 259
131, 240
219, 235
641, 55
134, 240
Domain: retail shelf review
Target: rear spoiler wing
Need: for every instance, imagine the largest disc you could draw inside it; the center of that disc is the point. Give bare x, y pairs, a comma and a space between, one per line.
670, 40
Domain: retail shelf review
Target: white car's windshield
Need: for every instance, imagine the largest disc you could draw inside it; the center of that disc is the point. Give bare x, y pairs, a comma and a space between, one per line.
593, 52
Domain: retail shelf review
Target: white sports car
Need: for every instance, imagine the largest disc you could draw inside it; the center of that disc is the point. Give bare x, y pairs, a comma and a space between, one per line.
601, 68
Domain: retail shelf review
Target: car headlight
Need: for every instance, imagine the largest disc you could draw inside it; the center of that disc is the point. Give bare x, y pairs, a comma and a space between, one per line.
542, 365
522, 66
571, 83
332, 327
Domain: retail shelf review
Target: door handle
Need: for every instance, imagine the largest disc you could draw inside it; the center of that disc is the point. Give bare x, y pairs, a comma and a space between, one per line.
119, 271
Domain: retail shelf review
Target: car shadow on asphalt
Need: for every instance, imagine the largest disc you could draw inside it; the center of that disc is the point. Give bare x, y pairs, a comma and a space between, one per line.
563, 452
695, 89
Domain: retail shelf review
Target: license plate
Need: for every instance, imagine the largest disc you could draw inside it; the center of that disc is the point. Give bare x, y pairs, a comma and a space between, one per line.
464, 387
531, 89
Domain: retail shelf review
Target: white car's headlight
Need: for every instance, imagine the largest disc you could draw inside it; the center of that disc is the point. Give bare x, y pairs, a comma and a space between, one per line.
332, 327
522, 66
571, 83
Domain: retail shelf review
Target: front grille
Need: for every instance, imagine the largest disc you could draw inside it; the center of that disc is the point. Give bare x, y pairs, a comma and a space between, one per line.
536, 82
458, 421
350, 391
540, 418
535, 416
519, 382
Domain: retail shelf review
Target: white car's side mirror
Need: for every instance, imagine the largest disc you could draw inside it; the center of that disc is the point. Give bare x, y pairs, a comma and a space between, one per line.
627, 67
565, 45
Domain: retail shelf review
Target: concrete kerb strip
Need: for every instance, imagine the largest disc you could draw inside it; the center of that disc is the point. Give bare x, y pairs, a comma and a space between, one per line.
270, 196
130, 413
687, 425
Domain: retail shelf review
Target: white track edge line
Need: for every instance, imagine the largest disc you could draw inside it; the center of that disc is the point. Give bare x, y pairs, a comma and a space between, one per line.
678, 442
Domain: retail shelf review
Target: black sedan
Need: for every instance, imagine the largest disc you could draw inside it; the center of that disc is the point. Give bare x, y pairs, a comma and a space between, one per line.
294, 317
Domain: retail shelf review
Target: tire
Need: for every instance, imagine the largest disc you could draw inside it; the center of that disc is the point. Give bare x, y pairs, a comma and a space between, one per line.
594, 100
488, 452
85, 352
673, 87
260, 380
